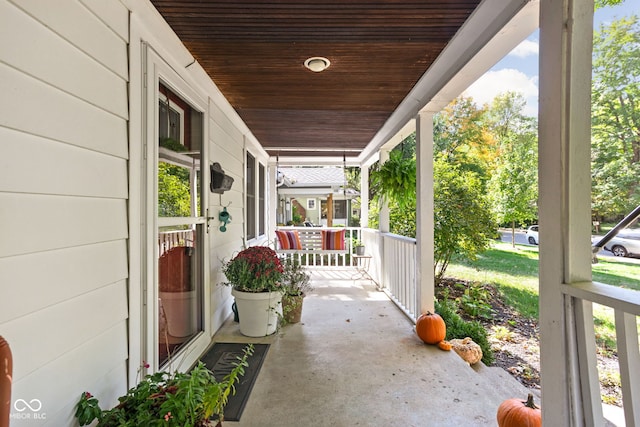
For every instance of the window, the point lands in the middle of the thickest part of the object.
(339, 208)
(311, 204)
(170, 121)
(174, 119)
(251, 197)
(261, 198)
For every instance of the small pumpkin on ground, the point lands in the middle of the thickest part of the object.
(516, 413)
(431, 328)
(467, 349)
(444, 345)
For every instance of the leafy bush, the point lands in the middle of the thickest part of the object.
(464, 225)
(457, 327)
(475, 301)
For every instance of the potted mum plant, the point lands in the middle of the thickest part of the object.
(296, 285)
(193, 399)
(254, 275)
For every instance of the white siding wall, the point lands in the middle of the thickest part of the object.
(226, 148)
(71, 251)
(63, 200)
(226, 145)
(227, 137)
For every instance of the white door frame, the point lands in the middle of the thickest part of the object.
(155, 69)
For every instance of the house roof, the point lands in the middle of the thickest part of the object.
(313, 177)
(389, 59)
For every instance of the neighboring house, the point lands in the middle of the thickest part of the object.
(314, 191)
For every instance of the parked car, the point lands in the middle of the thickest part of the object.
(625, 243)
(532, 235)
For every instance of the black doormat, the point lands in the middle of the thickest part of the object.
(221, 358)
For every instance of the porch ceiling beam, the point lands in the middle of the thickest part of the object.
(494, 29)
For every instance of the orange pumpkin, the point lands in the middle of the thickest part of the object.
(516, 413)
(444, 345)
(431, 328)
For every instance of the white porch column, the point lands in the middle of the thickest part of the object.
(383, 224)
(566, 30)
(272, 201)
(425, 280)
(364, 196)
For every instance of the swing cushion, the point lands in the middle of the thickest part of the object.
(289, 239)
(333, 240)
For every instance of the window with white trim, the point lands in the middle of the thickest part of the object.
(251, 196)
(261, 198)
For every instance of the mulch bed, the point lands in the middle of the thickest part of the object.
(518, 350)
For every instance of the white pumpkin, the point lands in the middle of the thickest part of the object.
(467, 349)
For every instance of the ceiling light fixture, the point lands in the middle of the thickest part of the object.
(317, 64)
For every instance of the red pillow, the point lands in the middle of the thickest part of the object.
(333, 240)
(288, 239)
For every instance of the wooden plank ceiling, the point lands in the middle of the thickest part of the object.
(255, 51)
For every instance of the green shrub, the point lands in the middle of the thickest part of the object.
(475, 300)
(457, 327)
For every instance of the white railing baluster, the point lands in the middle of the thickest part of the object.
(626, 305)
(398, 275)
(168, 240)
(629, 364)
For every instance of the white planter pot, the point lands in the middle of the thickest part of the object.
(258, 312)
(181, 311)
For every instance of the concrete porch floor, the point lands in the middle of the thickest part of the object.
(354, 360)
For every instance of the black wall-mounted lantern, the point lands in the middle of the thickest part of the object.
(219, 181)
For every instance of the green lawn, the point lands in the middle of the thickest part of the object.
(515, 273)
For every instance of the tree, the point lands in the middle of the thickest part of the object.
(463, 224)
(173, 191)
(513, 187)
(603, 3)
(461, 137)
(615, 155)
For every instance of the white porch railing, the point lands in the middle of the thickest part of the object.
(170, 239)
(626, 306)
(312, 258)
(393, 267)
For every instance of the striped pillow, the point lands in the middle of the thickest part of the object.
(288, 239)
(333, 240)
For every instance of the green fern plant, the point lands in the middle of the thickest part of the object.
(168, 399)
(396, 179)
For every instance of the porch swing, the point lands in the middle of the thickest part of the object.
(311, 245)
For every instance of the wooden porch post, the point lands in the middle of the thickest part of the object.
(425, 280)
(330, 210)
(566, 31)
